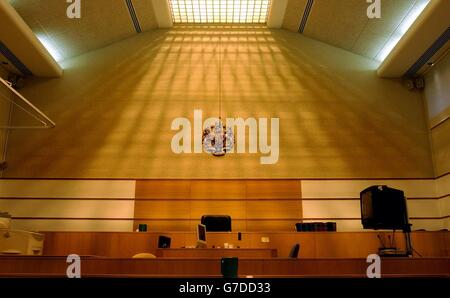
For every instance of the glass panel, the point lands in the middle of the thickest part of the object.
(220, 11)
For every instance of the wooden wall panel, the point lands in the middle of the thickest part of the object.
(248, 202)
(56, 266)
(67, 224)
(217, 189)
(313, 245)
(166, 224)
(176, 209)
(273, 189)
(276, 209)
(162, 189)
(235, 209)
(271, 225)
(441, 147)
(73, 208)
(183, 225)
(98, 189)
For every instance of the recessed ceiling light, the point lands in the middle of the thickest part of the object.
(220, 11)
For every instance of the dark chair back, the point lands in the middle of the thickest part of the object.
(229, 267)
(294, 251)
(164, 242)
(217, 223)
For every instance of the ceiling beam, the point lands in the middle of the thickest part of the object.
(276, 13)
(162, 13)
(22, 44)
(426, 30)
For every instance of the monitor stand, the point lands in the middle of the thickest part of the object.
(393, 252)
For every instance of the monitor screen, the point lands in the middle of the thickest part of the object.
(383, 207)
(201, 233)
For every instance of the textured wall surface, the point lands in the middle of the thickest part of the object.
(437, 96)
(4, 114)
(114, 108)
(177, 205)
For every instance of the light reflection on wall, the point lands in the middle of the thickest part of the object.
(403, 27)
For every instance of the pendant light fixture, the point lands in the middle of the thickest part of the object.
(218, 139)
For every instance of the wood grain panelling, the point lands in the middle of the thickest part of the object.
(178, 209)
(56, 266)
(68, 208)
(443, 185)
(84, 225)
(331, 209)
(217, 253)
(166, 224)
(217, 189)
(108, 189)
(271, 225)
(274, 209)
(273, 189)
(162, 189)
(441, 147)
(247, 202)
(413, 188)
(235, 209)
(330, 200)
(313, 245)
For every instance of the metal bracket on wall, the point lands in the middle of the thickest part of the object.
(30, 109)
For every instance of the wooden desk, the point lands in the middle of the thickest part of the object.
(313, 244)
(217, 253)
(45, 266)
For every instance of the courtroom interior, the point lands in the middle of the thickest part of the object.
(224, 138)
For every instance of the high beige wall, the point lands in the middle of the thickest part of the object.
(114, 107)
(177, 205)
(4, 116)
(437, 96)
(294, 14)
(68, 205)
(3, 72)
(443, 191)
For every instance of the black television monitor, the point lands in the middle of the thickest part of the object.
(383, 207)
(217, 223)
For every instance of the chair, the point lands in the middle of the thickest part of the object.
(229, 267)
(217, 223)
(144, 255)
(294, 251)
(164, 242)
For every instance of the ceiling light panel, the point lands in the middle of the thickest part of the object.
(220, 11)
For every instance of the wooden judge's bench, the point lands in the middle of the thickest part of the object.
(322, 254)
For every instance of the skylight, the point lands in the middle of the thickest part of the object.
(220, 11)
(403, 27)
